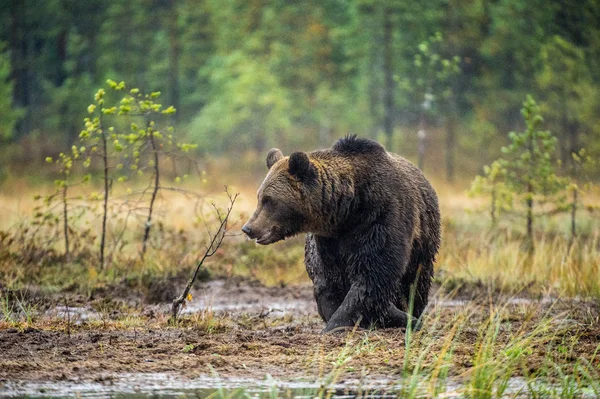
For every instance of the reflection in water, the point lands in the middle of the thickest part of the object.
(157, 385)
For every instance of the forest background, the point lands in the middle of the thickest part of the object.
(248, 75)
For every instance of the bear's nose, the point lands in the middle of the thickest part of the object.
(246, 229)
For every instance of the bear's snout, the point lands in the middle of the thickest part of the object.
(248, 231)
(261, 235)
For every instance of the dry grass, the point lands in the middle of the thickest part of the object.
(472, 251)
(501, 259)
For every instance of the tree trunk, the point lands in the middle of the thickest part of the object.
(573, 131)
(388, 95)
(422, 135)
(371, 20)
(155, 189)
(71, 127)
(450, 139)
(66, 219)
(174, 60)
(106, 188)
(574, 214)
(529, 203)
(529, 200)
(61, 43)
(18, 52)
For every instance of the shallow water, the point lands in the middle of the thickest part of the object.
(76, 314)
(159, 385)
(267, 306)
(218, 296)
(163, 385)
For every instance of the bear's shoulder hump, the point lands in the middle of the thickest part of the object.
(354, 145)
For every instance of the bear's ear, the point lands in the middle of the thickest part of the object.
(273, 156)
(299, 165)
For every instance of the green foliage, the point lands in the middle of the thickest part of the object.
(570, 97)
(492, 183)
(58, 206)
(529, 159)
(435, 72)
(277, 69)
(254, 74)
(564, 77)
(257, 105)
(127, 142)
(527, 171)
(122, 147)
(9, 115)
(122, 133)
(583, 165)
(580, 183)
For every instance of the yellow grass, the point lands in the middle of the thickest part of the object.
(472, 251)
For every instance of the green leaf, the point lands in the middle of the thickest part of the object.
(169, 111)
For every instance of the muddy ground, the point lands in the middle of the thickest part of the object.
(238, 329)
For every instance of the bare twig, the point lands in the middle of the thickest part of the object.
(67, 311)
(119, 237)
(148, 224)
(215, 243)
(66, 220)
(106, 189)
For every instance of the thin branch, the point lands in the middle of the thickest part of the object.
(155, 189)
(215, 243)
(66, 220)
(106, 192)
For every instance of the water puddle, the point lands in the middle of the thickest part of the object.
(158, 385)
(266, 306)
(76, 314)
(161, 385)
(453, 303)
(220, 297)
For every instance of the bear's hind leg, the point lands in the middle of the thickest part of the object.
(416, 283)
(396, 318)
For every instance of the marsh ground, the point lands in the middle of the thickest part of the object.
(241, 330)
(502, 321)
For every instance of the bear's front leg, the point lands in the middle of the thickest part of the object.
(350, 312)
(327, 279)
(358, 308)
(328, 300)
(375, 269)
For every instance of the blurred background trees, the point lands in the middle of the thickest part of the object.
(250, 74)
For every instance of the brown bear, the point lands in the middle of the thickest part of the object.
(373, 225)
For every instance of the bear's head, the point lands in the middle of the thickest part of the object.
(284, 198)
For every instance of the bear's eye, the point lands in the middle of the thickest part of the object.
(268, 202)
